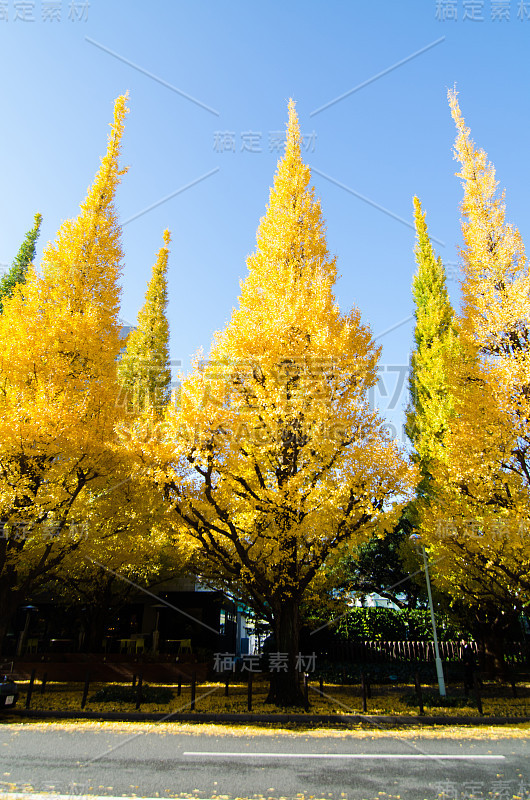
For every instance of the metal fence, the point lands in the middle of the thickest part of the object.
(379, 651)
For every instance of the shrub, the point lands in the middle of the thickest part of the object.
(389, 624)
(128, 694)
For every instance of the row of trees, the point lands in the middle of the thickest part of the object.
(67, 502)
(469, 414)
(267, 473)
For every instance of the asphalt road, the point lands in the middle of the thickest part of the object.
(202, 764)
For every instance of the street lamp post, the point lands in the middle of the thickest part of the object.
(415, 538)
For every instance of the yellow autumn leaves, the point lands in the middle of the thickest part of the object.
(477, 513)
(269, 458)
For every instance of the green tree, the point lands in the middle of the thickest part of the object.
(430, 404)
(430, 407)
(377, 566)
(144, 368)
(25, 257)
(477, 521)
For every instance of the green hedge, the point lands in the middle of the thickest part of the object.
(388, 624)
(338, 672)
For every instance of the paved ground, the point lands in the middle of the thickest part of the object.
(124, 762)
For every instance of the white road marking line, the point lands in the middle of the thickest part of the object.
(408, 756)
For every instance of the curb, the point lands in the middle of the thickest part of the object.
(307, 719)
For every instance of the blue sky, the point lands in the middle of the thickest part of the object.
(209, 84)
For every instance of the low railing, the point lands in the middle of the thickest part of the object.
(375, 650)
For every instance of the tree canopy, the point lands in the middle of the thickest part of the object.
(478, 514)
(281, 458)
(59, 342)
(19, 268)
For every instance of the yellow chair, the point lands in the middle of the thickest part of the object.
(185, 646)
(32, 646)
(140, 645)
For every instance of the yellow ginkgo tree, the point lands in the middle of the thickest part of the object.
(478, 515)
(59, 344)
(274, 457)
(128, 546)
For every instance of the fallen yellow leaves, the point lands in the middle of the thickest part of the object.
(337, 700)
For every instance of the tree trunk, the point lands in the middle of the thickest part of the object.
(493, 632)
(98, 620)
(4, 624)
(9, 602)
(284, 682)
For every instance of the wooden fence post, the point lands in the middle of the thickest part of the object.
(363, 687)
(30, 688)
(139, 692)
(193, 688)
(478, 698)
(249, 691)
(417, 685)
(85, 689)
